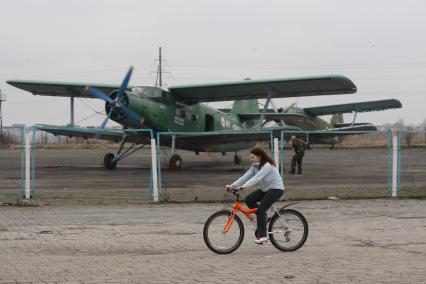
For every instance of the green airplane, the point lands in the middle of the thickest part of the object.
(309, 119)
(182, 110)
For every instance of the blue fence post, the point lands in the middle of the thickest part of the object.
(160, 186)
(32, 162)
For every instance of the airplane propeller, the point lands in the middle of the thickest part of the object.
(115, 104)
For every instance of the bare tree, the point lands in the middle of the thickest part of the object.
(409, 135)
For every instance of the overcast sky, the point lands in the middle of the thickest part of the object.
(379, 45)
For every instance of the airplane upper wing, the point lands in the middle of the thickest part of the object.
(258, 89)
(241, 90)
(60, 89)
(359, 107)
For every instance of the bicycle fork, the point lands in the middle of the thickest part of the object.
(229, 223)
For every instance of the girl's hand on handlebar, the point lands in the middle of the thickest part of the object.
(239, 188)
(228, 187)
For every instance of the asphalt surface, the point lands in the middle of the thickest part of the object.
(350, 241)
(78, 176)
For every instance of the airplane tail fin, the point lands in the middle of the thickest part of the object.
(336, 119)
(244, 107)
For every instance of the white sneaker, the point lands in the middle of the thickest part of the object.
(260, 241)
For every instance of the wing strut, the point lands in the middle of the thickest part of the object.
(276, 111)
(353, 121)
(72, 111)
(265, 107)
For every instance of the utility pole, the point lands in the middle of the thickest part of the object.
(2, 99)
(160, 75)
(160, 71)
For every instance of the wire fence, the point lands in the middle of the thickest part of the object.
(202, 174)
(336, 164)
(358, 165)
(80, 169)
(12, 162)
(412, 163)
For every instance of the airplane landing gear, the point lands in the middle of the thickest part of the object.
(175, 162)
(237, 159)
(109, 161)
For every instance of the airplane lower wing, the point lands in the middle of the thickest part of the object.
(331, 136)
(271, 116)
(346, 130)
(106, 134)
(199, 141)
(184, 140)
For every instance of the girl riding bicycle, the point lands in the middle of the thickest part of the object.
(264, 173)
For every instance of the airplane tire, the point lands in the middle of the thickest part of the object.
(237, 159)
(109, 162)
(175, 162)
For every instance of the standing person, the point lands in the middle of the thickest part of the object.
(264, 173)
(299, 152)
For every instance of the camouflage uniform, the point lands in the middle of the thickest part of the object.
(299, 149)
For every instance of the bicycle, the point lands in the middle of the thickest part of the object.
(287, 228)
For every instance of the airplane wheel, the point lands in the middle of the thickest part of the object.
(237, 159)
(332, 147)
(175, 162)
(109, 162)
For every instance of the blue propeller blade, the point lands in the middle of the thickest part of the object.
(125, 82)
(99, 132)
(131, 114)
(97, 94)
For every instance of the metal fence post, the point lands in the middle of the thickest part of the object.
(154, 170)
(395, 136)
(389, 160)
(282, 155)
(158, 169)
(27, 165)
(276, 153)
(398, 179)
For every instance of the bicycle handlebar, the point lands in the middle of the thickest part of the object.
(234, 192)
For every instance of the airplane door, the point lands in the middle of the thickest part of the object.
(209, 123)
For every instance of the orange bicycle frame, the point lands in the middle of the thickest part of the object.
(238, 207)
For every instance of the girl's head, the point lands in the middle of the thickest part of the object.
(259, 155)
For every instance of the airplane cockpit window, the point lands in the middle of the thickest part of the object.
(148, 92)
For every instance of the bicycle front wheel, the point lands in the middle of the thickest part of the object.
(288, 231)
(218, 239)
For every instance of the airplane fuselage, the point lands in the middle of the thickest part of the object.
(172, 116)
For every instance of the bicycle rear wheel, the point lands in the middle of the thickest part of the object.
(289, 231)
(219, 241)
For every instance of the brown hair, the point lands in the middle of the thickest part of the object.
(264, 157)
